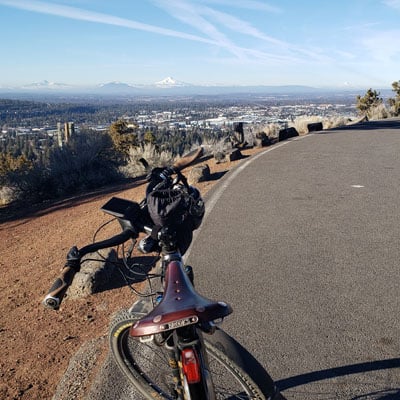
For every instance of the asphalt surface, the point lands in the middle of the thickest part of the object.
(303, 241)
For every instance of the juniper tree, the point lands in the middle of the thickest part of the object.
(368, 102)
(395, 103)
(123, 136)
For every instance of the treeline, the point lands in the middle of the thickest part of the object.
(36, 114)
(33, 147)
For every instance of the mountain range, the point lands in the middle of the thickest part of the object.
(165, 87)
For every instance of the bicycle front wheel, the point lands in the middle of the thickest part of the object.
(235, 373)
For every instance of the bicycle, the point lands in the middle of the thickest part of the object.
(168, 344)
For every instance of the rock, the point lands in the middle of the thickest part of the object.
(315, 127)
(235, 155)
(220, 157)
(287, 133)
(199, 173)
(95, 275)
(262, 140)
(76, 379)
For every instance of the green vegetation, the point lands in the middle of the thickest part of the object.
(372, 105)
(124, 136)
(33, 170)
(87, 161)
(395, 103)
(368, 102)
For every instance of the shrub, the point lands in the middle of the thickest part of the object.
(378, 111)
(33, 185)
(153, 156)
(272, 130)
(213, 146)
(301, 123)
(7, 195)
(335, 122)
(395, 103)
(87, 161)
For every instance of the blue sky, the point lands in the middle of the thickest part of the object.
(242, 42)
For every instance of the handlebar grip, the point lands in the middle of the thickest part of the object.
(57, 291)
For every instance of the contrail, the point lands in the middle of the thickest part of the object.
(85, 15)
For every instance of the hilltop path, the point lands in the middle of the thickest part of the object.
(308, 255)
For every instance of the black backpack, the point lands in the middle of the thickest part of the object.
(167, 206)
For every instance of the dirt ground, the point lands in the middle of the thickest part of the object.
(37, 343)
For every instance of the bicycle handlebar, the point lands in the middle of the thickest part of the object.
(60, 286)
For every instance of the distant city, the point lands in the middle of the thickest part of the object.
(43, 134)
(179, 113)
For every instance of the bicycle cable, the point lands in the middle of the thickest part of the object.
(133, 270)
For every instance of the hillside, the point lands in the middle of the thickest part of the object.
(36, 343)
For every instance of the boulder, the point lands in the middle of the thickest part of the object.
(287, 133)
(199, 173)
(262, 140)
(220, 157)
(315, 127)
(95, 275)
(234, 155)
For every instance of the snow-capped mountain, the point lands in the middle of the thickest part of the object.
(170, 82)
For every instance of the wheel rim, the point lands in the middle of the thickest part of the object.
(149, 362)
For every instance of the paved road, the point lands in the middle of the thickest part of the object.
(304, 242)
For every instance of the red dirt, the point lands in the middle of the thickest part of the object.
(36, 343)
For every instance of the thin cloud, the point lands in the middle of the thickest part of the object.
(247, 5)
(393, 4)
(238, 25)
(90, 16)
(383, 46)
(204, 19)
(190, 15)
(235, 24)
(207, 20)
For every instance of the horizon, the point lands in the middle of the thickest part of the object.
(169, 83)
(342, 45)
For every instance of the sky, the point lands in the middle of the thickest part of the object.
(319, 43)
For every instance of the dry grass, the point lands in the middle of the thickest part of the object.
(378, 112)
(301, 123)
(151, 154)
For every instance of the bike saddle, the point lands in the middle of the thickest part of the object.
(181, 305)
